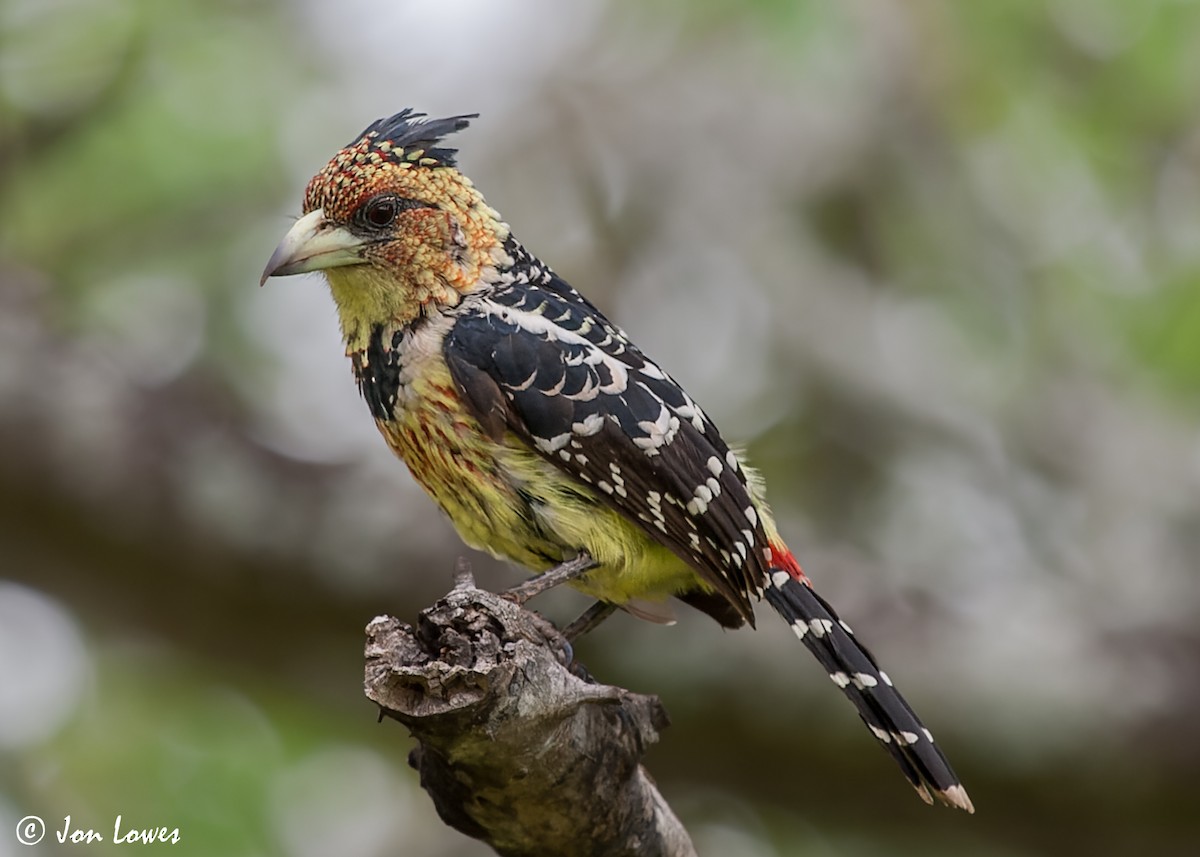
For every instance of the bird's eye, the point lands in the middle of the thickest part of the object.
(381, 213)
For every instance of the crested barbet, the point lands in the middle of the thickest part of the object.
(541, 430)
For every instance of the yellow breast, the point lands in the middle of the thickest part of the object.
(504, 498)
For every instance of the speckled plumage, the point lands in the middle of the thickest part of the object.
(539, 428)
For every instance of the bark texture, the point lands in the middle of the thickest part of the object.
(514, 748)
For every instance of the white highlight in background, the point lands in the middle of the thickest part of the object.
(44, 666)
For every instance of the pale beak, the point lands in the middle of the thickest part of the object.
(313, 244)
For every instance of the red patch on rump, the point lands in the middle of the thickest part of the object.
(784, 559)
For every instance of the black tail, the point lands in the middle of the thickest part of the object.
(879, 704)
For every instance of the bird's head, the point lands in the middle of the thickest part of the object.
(396, 229)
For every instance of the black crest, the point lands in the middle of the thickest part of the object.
(408, 131)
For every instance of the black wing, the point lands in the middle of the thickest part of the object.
(538, 359)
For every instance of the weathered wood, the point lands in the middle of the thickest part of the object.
(514, 748)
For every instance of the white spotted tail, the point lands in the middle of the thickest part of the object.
(853, 669)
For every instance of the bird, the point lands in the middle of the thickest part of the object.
(541, 430)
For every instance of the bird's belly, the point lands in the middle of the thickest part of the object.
(450, 458)
(507, 500)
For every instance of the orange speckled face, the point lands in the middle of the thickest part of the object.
(408, 203)
(397, 230)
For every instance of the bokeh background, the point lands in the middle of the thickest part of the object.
(936, 263)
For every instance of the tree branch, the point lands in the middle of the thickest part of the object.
(513, 747)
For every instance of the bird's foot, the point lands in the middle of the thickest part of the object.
(589, 620)
(567, 571)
